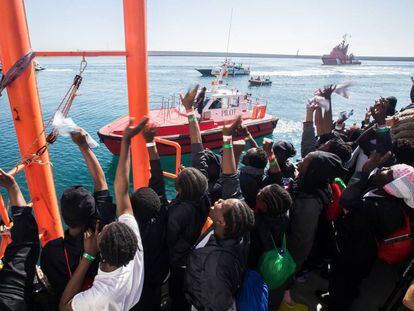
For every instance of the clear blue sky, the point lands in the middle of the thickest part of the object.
(378, 27)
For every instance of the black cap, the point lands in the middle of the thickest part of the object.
(284, 150)
(78, 206)
(392, 100)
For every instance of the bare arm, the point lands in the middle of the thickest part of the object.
(273, 164)
(121, 184)
(8, 182)
(408, 300)
(188, 103)
(238, 147)
(229, 162)
(95, 169)
(74, 286)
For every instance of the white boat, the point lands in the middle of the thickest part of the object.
(232, 69)
(37, 66)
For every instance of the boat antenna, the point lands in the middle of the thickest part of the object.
(228, 37)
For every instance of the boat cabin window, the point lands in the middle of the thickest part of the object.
(217, 103)
(234, 102)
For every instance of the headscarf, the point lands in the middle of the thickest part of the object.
(402, 186)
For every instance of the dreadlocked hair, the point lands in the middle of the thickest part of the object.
(191, 184)
(276, 199)
(255, 157)
(118, 244)
(341, 149)
(239, 219)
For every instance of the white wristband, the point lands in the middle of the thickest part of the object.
(152, 144)
(227, 137)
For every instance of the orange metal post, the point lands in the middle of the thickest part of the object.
(137, 79)
(28, 121)
(79, 53)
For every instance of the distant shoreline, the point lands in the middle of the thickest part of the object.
(260, 55)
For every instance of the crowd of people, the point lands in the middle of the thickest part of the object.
(352, 189)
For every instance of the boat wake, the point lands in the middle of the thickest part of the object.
(325, 71)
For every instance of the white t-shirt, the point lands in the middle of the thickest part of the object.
(117, 290)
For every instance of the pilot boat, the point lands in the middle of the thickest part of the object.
(220, 105)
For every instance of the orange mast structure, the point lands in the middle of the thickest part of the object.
(26, 109)
(137, 80)
(28, 121)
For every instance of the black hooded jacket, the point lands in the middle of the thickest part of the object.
(185, 221)
(311, 195)
(215, 272)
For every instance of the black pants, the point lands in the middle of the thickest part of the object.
(176, 289)
(357, 253)
(150, 298)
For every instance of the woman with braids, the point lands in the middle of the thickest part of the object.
(120, 278)
(187, 214)
(214, 272)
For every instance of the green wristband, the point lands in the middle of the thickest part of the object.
(273, 163)
(228, 146)
(88, 257)
(383, 129)
(192, 119)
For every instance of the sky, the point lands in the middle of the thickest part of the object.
(377, 27)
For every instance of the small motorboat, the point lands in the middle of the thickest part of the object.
(220, 105)
(37, 66)
(232, 69)
(259, 81)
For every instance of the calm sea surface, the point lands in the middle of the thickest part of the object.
(103, 97)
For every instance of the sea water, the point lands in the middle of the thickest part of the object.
(103, 98)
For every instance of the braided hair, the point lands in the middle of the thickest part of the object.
(191, 184)
(118, 244)
(276, 199)
(239, 218)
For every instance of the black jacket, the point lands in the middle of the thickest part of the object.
(154, 233)
(60, 257)
(252, 180)
(199, 160)
(215, 272)
(264, 228)
(20, 257)
(185, 221)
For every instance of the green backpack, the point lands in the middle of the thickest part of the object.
(276, 268)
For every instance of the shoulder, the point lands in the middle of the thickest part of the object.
(130, 221)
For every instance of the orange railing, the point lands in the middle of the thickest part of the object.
(5, 240)
(177, 155)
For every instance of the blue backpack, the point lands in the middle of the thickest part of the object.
(253, 294)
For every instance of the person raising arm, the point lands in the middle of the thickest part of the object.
(119, 282)
(20, 256)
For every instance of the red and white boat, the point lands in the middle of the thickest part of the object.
(339, 55)
(220, 105)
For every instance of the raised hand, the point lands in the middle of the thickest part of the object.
(378, 113)
(326, 92)
(376, 160)
(268, 146)
(79, 137)
(230, 129)
(188, 99)
(6, 180)
(130, 131)
(149, 133)
(90, 240)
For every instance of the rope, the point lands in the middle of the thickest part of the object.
(64, 105)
